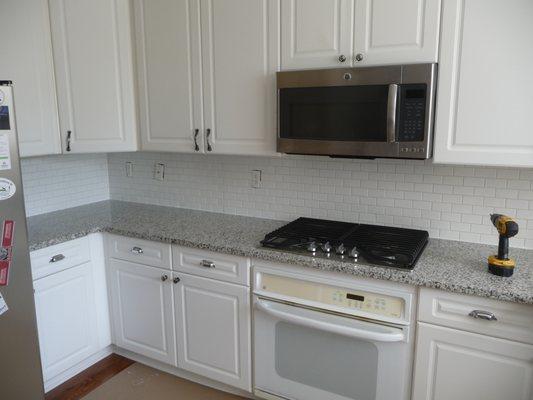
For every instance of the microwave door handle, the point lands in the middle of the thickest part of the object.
(392, 102)
(327, 324)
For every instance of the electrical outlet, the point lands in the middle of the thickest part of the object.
(129, 169)
(256, 178)
(159, 172)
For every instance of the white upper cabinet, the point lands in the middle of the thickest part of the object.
(92, 48)
(337, 33)
(396, 32)
(169, 72)
(207, 72)
(240, 43)
(26, 59)
(316, 33)
(484, 99)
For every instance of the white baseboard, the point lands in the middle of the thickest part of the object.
(183, 374)
(81, 366)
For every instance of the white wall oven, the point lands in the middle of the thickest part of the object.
(323, 338)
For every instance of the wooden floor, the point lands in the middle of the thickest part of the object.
(88, 380)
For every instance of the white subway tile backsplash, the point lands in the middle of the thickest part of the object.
(451, 202)
(58, 182)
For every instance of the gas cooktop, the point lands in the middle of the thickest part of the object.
(381, 245)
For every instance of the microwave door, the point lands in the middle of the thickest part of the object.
(349, 121)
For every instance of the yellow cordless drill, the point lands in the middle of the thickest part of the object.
(501, 264)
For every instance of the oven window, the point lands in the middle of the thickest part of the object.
(346, 113)
(327, 361)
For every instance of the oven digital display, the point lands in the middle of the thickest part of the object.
(355, 297)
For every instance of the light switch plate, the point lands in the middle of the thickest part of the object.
(129, 169)
(256, 178)
(159, 172)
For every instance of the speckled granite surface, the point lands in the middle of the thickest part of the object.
(453, 266)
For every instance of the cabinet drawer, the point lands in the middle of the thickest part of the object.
(154, 254)
(213, 265)
(59, 257)
(513, 320)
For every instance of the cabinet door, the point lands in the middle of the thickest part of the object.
(484, 99)
(396, 32)
(141, 309)
(452, 364)
(316, 33)
(27, 61)
(240, 43)
(66, 318)
(169, 70)
(213, 321)
(94, 71)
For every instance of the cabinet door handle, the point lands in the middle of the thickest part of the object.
(69, 134)
(359, 57)
(164, 277)
(57, 258)
(176, 280)
(207, 264)
(208, 133)
(480, 314)
(196, 147)
(342, 58)
(137, 250)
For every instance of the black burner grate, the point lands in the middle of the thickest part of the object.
(396, 247)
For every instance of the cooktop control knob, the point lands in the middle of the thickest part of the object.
(354, 253)
(326, 248)
(340, 250)
(312, 247)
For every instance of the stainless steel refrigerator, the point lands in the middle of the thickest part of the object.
(20, 363)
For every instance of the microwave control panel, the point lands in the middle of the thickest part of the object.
(412, 113)
(322, 295)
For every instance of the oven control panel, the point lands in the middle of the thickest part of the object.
(348, 299)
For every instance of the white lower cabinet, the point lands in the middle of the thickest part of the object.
(213, 326)
(198, 321)
(452, 364)
(71, 307)
(66, 318)
(142, 314)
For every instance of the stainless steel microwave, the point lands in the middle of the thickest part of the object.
(370, 112)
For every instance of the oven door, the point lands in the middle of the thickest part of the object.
(339, 120)
(303, 354)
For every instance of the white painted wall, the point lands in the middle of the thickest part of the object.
(58, 182)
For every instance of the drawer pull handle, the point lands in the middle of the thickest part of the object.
(164, 277)
(57, 258)
(486, 315)
(207, 264)
(137, 250)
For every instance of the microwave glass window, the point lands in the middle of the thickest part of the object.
(345, 113)
(4, 118)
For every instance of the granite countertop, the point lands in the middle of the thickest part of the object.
(449, 265)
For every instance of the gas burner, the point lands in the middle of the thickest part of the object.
(381, 245)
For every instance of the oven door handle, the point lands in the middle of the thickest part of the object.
(330, 323)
